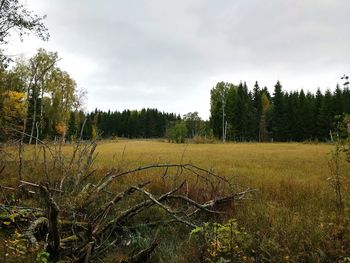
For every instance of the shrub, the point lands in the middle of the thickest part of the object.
(177, 133)
(224, 242)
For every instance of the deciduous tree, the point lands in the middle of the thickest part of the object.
(16, 18)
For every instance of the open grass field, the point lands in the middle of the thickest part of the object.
(264, 166)
(259, 162)
(255, 163)
(290, 218)
(293, 217)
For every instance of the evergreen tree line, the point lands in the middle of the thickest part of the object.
(41, 100)
(146, 123)
(256, 115)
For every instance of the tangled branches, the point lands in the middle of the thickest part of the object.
(79, 215)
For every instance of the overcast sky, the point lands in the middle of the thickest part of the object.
(169, 54)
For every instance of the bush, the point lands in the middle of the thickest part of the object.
(223, 242)
(177, 133)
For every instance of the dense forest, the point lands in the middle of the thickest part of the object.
(283, 116)
(43, 101)
(146, 123)
(40, 99)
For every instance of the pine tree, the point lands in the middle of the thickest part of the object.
(72, 126)
(257, 108)
(326, 116)
(279, 120)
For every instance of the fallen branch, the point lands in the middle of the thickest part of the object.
(53, 243)
(144, 255)
(35, 227)
(25, 183)
(131, 212)
(108, 206)
(188, 167)
(194, 203)
(167, 209)
(90, 219)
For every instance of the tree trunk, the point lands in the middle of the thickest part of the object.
(33, 121)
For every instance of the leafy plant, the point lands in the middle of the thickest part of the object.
(177, 133)
(42, 257)
(224, 242)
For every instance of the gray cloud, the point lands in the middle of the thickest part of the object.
(168, 54)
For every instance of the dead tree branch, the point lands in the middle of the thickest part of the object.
(144, 255)
(53, 243)
(85, 216)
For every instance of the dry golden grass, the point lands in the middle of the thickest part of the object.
(258, 162)
(293, 213)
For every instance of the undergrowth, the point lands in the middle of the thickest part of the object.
(291, 218)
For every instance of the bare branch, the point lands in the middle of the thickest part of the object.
(188, 167)
(131, 212)
(54, 237)
(167, 209)
(143, 255)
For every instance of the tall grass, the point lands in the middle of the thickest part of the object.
(292, 216)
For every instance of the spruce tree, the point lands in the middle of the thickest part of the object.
(278, 120)
(326, 116)
(257, 108)
(72, 126)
